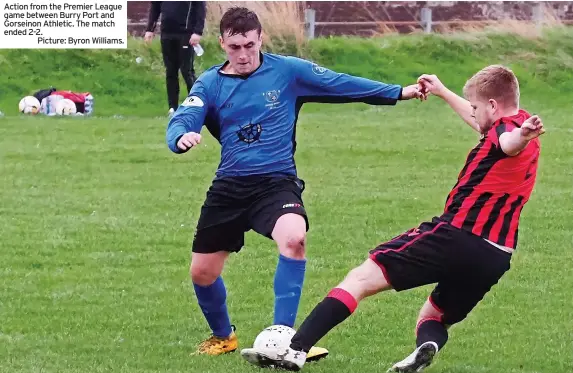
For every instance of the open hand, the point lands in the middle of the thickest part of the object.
(532, 128)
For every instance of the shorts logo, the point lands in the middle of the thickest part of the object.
(415, 232)
(193, 101)
(318, 70)
(292, 205)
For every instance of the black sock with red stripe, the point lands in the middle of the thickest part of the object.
(431, 330)
(333, 310)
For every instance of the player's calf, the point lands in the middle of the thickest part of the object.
(339, 304)
(430, 326)
(336, 307)
(290, 234)
(431, 336)
(211, 295)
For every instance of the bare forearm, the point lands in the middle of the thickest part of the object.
(512, 143)
(461, 106)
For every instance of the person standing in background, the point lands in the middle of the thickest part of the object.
(182, 24)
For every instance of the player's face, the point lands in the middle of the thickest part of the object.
(242, 51)
(483, 112)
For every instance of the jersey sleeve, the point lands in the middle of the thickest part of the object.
(318, 84)
(189, 116)
(496, 131)
(154, 12)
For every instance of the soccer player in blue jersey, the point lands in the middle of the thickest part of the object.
(250, 104)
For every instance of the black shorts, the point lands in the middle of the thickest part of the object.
(235, 205)
(464, 266)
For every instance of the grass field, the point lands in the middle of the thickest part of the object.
(97, 217)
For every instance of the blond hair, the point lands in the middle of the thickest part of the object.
(494, 82)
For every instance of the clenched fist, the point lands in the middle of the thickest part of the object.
(414, 91)
(189, 140)
(148, 37)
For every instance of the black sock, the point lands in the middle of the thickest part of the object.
(333, 310)
(431, 330)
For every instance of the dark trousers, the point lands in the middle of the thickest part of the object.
(177, 55)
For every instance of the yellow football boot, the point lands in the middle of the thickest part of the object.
(217, 346)
(316, 353)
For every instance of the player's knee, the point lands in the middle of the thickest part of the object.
(294, 246)
(366, 280)
(359, 275)
(448, 317)
(203, 275)
(429, 312)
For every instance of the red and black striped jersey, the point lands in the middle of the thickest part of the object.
(493, 187)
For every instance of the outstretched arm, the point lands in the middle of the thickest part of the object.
(513, 142)
(319, 84)
(460, 105)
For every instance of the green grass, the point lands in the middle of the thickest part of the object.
(97, 217)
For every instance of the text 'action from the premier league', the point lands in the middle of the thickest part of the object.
(63, 24)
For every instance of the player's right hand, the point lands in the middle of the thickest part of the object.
(432, 84)
(189, 140)
(148, 37)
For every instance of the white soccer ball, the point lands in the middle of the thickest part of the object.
(66, 107)
(29, 105)
(274, 337)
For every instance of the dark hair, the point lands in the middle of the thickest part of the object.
(239, 20)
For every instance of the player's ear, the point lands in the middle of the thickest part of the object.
(221, 42)
(493, 105)
(260, 41)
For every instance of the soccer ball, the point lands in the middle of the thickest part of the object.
(274, 337)
(29, 105)
(66, 107)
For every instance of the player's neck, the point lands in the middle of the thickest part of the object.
(230, 70)
(509, 112)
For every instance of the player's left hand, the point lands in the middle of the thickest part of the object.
(414, 91)
(195, 39)
(532, 128)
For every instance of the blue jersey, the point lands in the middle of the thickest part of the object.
(254, 117)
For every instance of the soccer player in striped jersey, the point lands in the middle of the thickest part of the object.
(465, 250)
